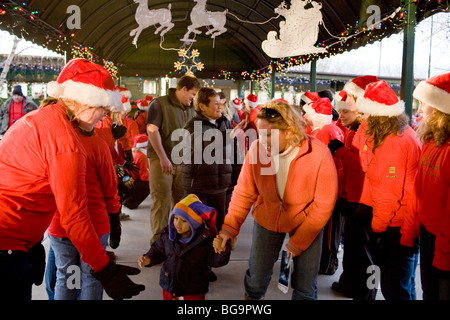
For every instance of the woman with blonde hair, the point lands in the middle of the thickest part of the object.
(290, 180)
(428, 217)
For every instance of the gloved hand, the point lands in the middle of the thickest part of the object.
(36, 257)
(118, 131)
(334, 145)
(131, 167)
(129, 155)
(114, 279)
(116, 229)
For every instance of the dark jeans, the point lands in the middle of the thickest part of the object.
(397, 268)
(435, 283)
(16, 278)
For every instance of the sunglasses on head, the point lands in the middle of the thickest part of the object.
(271, 113)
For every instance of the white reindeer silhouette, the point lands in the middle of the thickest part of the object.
(146, 18)
(202, 18)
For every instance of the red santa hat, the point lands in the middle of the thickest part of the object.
(435, 92)
(87, 83)
(340, 101)
(380, 100)
(236, 103)
(309, 97)
(140, 141)
(357, 86)
(252, 100)
(320, 110)
(126, 96)
(143, 104)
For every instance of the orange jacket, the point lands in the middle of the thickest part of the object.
(43, 167)
(391, 172)
(308, 200)
(430, 204)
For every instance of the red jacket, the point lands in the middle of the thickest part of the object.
(307, 203)
(430, 204)
(101, 186)
(43, 166)
(103, 129)
(326, 134)
(141, 160)
(356, 182)
(391, 173)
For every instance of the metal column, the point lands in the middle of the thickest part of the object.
(313, 76)
(407, 83)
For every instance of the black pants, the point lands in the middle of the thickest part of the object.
(359, 250)
(332, 235)
(16, 276)
(136, 195)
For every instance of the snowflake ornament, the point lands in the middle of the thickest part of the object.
(189, 62)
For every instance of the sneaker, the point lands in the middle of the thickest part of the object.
(124, 216)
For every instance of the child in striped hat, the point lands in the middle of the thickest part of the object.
(186, 248)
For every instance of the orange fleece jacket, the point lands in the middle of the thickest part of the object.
(308, 200)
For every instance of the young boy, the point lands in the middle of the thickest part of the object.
(186, 248)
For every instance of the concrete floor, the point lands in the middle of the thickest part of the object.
(229, 285)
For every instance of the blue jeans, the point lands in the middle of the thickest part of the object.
(67, 285)
(264, 253)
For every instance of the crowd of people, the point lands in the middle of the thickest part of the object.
(344, 168)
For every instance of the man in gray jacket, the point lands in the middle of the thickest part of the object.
(14, 108)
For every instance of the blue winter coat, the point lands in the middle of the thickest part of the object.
(185, 269)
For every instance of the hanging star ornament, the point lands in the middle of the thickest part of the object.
(189, 62)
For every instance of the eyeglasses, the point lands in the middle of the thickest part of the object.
(271, 113)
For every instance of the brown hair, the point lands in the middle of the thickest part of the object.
(436, 126)
(289, 119)
(188, 82)
(203, 96)
(380, 127)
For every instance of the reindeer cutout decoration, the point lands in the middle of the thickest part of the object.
(202, 18)
(146, 18)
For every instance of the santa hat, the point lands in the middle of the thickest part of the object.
(252, 100)
(380, 100)
(140, 141)
(435, 92)
(357, 86)
(309, 97)
(320, 110)
(194, 212)
(236, 103)
(87, 83)
(340, 101)
(143, 104)
(126, 96)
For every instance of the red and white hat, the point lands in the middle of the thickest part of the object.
(87, 83)
(126, 96)
(309, 97)
(340, 101)
(143, 104)
(320, 110)
(236, 103)
(252, 100)
(357, 86)
(435, 92)
(380, 100)
(140, 141)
